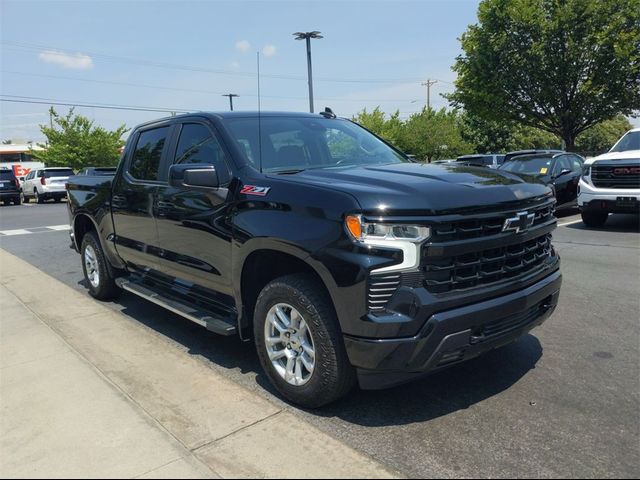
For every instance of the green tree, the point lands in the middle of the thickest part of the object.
(74, 141)
(601, 137)
(7, 142)
(376, 121)
(561, 66)
(432, 135)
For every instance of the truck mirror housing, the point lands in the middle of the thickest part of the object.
(193, 175)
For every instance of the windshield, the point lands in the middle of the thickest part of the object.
(299, 143)
(631, 141)
(528, 165)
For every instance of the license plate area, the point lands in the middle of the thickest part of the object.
(626, 202)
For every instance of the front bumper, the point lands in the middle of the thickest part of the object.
(453, 336)
(609, 200)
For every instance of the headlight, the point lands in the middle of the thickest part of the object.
(389, 235)
(363, 231)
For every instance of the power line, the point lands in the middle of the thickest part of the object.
(152, 63)
(70, 103)
(162, 87)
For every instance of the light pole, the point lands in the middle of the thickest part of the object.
(230, 95)
(308, 36)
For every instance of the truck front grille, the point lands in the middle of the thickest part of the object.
(484, 267)
(473, 252)
(484, 226)
(616, 176)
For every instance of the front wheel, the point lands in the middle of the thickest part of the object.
(97, 274)
(594, 219)
(299, 342)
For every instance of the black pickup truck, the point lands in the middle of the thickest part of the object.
(345, 261)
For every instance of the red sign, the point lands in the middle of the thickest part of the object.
(20, 171)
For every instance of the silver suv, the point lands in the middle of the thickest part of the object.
(46, 183)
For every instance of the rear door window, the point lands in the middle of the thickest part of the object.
(6, 175)
(145, 162)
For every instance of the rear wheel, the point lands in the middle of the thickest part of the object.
(37, 197)
(594, 219)
(99, 277)
(18, 200)
(299, 342)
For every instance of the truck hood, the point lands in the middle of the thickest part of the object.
(426, 189)
(628, 155)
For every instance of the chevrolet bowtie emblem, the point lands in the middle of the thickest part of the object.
(520, 223)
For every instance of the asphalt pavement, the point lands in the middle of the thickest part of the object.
(562, 402)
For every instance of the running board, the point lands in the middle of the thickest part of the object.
(190, 312)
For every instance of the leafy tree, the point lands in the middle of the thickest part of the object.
(376, 121)
(7, 142)
(561, 66)
(74, 141)
(601, 137)
(432, 135)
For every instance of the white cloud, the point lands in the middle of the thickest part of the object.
(235, 65)
(243, 45)
(76, 61)
(269, 50)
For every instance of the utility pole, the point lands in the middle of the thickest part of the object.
(429, 83)
(308, 36)
(230, 95)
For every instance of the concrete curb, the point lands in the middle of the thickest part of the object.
(213, 421)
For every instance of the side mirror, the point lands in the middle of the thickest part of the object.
(193, 175)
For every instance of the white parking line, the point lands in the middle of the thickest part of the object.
(27, 231)
(569, 223)
(14, 232)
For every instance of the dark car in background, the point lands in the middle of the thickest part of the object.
(491, 160)
(98, 171)
(9, 187)
(559, 169)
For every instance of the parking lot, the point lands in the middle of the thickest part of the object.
(563, 401)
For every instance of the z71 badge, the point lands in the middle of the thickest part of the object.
(253, 190)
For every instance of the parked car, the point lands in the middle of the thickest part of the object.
(491, 160)
(344, 261)
(9, 187)
(611, 182)
(98, 171)
(561, 170)
(46, 183)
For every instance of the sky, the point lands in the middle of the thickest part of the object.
(183, 55)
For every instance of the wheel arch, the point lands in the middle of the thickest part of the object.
(265, 262)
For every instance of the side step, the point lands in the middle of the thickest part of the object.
(220, 326)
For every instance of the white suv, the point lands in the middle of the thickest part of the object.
(610, 183)
(45, 183)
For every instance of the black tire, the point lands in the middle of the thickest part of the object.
(18, 200)
(594, 219)
(106, 288)
(38, 198)
(57, 199)
(333, 375)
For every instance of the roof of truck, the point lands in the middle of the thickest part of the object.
(236, 114)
